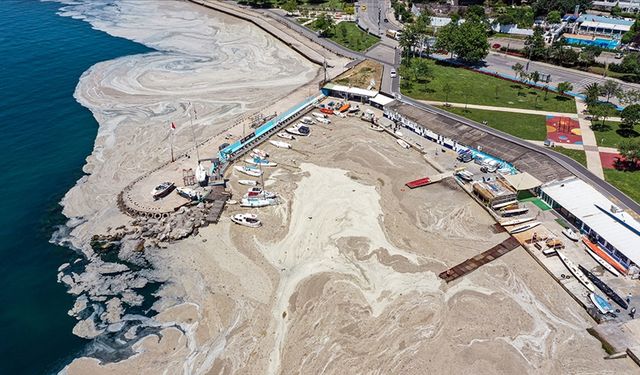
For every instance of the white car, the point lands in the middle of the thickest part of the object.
(393, 73)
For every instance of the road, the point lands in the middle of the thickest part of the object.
(373, 16)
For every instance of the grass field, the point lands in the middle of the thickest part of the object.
(348, 34)
(524, 126)
(627, 182)
(471, 87)
(609, 135)
(577, 155)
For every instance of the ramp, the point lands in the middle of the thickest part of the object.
(474, 263)
(428, 180)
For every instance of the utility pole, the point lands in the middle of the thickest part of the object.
(193, 132)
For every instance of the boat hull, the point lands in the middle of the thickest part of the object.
(604, 288)
(575, 271)
(250, 172)
(604, 256)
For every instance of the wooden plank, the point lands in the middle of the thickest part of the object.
(479, 260)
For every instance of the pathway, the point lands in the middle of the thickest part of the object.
(594, 164)
(501, 109)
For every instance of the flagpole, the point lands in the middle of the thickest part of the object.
(172, 130)
(193, 132)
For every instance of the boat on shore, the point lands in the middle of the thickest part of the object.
(595, 249)
(318, 115)
(524, 227)
(248, 182)
(307, 120)
(604, 287)
(602, 262)
(257, 202)
(503, 205)
(516, 221)
(376, 127)
(345, 107)
(465, 175)
(201, 175)
(286, 136)
(259, 153)
(570, 234)
(575, 271)
(325, 121)
(251, 171)
(280, 144)
(248, 220)
(600, 303)
(403, 143)
(162, 190)
(299, 130)
(261, 162)
(188, 193)
(514, 211)
(256, 192)
(326, 110)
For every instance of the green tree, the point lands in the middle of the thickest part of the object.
(324, 24)
(588, 55)
(616, 11)
(630, 149)
(599, 111)
(554, 17)
(630, 118)
(408, 40)
(610, 89)
(290, 6)
(563, 87)
(629, 97)
(534, 46)
(471, 42)
(592, 93)
(535, 77)
(446, 88)
(518, 69)
(447, 37)
(542, 7)
(422, 71)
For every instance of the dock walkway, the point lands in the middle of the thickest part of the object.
(474, 263)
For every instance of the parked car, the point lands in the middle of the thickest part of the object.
(393, 73)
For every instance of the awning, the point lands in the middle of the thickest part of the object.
(381, 99)
(522, 181)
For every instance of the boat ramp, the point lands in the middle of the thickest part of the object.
(474, 263)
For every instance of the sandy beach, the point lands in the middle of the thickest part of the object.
(341, 277)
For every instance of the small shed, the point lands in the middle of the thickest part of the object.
(525, 184)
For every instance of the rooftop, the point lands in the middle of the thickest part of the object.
(604, 20)
(599, 213)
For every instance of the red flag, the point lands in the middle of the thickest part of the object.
(173, 126)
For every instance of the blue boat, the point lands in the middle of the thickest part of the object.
(601, 304)
(604, 287)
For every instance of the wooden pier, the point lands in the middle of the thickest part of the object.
(217, 197)
(474, 263)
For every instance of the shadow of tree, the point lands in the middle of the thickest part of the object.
(628, 133)
(600, 127)
(562, 98)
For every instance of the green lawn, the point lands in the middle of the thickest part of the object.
(471, 87)
(627, 182)
(577, 155)
(521, 125)
(350, 35)
(609, 134)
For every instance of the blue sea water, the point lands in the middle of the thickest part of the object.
(45, 137)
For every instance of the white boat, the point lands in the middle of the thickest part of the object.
(515, 211)
(524, 227)
(259, 153)
(298, 130)
(307, 120)
(188, 193)
(319, 115)
(377, 128)
(248, 220)
(261, 162)
(256, 192)
(280, 144)
(248, 182)
(504, 204)
(603, 262)
(575, 271)
(465, 175)
(516, 221)
(286, 136)
(251, 171)
(600, 303)
(325, 121)
(257, 202)
(403, 143)
(201, 175)
(162, 190)
(570, 234)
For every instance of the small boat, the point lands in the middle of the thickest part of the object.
(256, 192)
(232, 201)
(319, 115)
(248, 182)
(201, 175)
(298, 130)
(604, 287)
(257, 202)
(418, 183)
(602, 262)
(162, 190)
(575, 271)
(261, 162)
(516, 221)
(280, 144)
(286, 136)
(188, 193)
(325, 121)
(604, 256)
(514, 211)
(328, 111)
(549, 252)
(261, 154)
(570, 234)
(248, 220)
(307, 120)
(344, 107)
(377, 128)
(465, 175)
(353, 109)
(504, 204)
(601, 304)
(403, 143)
(524, 227)
(251, 171)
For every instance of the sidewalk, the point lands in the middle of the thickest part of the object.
(594, 163)
(502, 109)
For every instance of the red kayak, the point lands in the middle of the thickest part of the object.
(326, 110)
(418, 183)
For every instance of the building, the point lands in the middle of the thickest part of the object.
(348, 93)
(495, 193)
(615, 231)
(601, 25)
(626, 6)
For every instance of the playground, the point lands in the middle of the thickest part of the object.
(563, 130)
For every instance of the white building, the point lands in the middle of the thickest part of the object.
(614, 230)
(627, 6)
